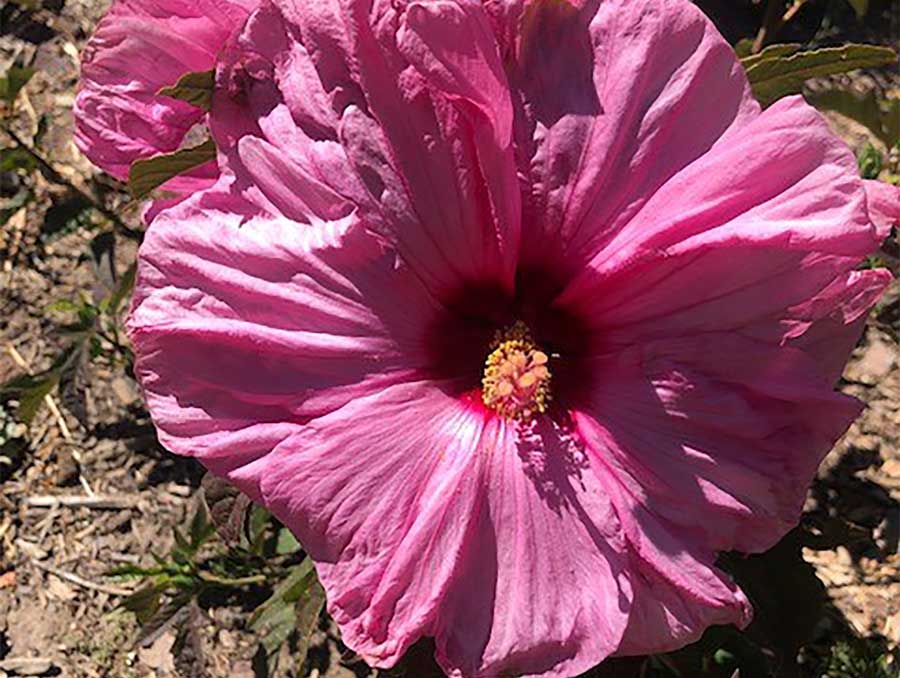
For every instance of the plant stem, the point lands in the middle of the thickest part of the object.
(240, 581)
(775, 19)
(56, 177)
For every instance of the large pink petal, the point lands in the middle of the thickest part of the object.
(382, 493)
(543, 590)
(427, 518)
(716, 434)
(140, 47)
(615, 100)
(245, 327)
(740, 240)
(678, 592)
(378, 103)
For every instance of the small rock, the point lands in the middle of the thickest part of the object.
(158, 657)
(25, 666)
(59, 590)
(7, 580)
(33, 551)
(875, 363)
(843, 556)
(891, 467)
(892, 629)
(126, 390)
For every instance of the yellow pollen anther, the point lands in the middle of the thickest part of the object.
(516, 382)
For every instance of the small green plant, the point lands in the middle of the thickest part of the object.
(862, 658)
(201, 569)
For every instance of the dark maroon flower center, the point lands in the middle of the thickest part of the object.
(478, 318)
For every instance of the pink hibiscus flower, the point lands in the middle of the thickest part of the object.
(140, 47)
(516, 313)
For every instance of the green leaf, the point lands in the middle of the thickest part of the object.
(771, 52)
(201, 528)
(294, 606)
(144, 603)
(134, 572)
(287, 543)
(870, 161)
(149, 174)
(167, 615)
(31, 399)
(13, 81)
(183, 553)
(780, 76)
(309, 606)
(743, 48)
(17, 158)
(195, 88)
(123, 290)
(258, 529)
(74, 378)
(30, 390)
(228, 509)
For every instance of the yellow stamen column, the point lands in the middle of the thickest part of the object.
(516, 382)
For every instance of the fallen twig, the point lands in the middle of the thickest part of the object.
(81, 581)
(97, 501)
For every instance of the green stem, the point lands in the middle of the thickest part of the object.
(226, 581)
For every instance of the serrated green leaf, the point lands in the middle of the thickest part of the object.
(195, 88)
(147, 175)
(770, 52)
(15, 78)
(776, 77)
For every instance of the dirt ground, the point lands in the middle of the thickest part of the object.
(58, 607)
